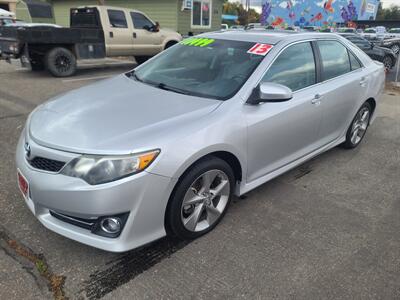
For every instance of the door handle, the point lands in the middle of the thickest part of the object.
(111, 34)
(317, 99)
(134, 35)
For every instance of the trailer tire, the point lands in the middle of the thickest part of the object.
(61, 62)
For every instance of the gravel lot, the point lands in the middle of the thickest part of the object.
(327, 229)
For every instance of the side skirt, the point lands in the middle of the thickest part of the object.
(247, 187)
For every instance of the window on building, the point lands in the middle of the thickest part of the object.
(294, 67)
(117, 18)
(140, 21)
(38, 9)
(201, 13)
(335, 59)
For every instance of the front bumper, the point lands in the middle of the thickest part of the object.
(144, 196)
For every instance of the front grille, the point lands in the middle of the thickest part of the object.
(46, 164)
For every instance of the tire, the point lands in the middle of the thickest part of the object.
(395, 48)
(170, 44)
(61, 62)
(387, 62)
(141, 59)
(207, 204)
(358, 127)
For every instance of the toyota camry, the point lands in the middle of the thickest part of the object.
(163, 148)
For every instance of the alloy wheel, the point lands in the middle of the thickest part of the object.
(360, 125)
(205, 200)
(387, 62)
(62, 63)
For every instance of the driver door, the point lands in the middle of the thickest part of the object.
(146, 41)
(282, 132)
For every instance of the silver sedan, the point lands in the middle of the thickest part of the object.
(162, 149)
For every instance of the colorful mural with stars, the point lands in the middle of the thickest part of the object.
(316, 13)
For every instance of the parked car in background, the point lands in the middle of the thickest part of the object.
(346, 30)
(163, 148)
(95, 32)
(310, 28)
(237, 27)
(376, 33)
(391, 43)
(384, 55)
(369, 33)
(394, 33)
(224, 26)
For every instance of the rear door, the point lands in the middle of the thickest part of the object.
(118, 33)
(343, 86)
(147, 39)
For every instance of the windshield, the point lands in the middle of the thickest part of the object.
(203, 67)
(394, 30)
(369, 31)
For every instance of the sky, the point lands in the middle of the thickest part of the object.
(257, 3)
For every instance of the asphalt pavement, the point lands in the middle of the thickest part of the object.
(329, 229)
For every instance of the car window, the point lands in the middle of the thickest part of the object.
(117, 18)
(335, 59)
(394, 30)
(294, 67)
(354, 62)
(140, 21)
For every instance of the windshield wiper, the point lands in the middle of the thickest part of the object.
(163, 86)
(133, 74)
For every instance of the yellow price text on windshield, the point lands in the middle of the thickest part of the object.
(197, 42)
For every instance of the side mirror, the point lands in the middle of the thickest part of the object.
(270, 92)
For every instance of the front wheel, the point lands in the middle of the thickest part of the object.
(358, 127)
(201, 199)
(61, 62)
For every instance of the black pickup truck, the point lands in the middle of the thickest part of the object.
(55, 48)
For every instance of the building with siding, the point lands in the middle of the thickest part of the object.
(194, 16)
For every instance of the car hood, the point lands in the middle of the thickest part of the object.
(115, 116)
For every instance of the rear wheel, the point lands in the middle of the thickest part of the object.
(358, 127)
(201, 199)
(387, 62)
(61, 62)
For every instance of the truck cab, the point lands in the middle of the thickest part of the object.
(127, 31)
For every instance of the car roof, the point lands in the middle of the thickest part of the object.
(271, 37)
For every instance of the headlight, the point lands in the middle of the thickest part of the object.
(101, 169)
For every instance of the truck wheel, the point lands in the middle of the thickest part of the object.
(141, 59)
(61, 62)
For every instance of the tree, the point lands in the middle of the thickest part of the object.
(391, 13)
(237, 9)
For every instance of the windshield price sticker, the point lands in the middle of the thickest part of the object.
(260, 49)
(197, 42)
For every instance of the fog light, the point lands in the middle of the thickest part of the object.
(111, 225)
